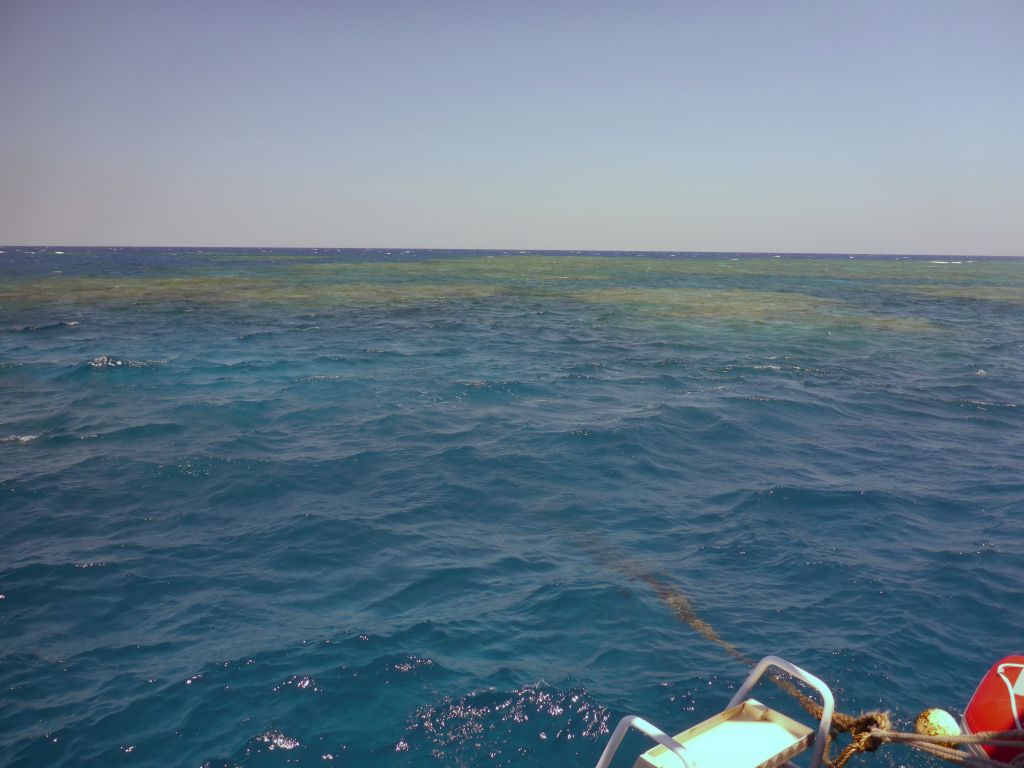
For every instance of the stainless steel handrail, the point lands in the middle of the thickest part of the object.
(827, 701)
(632, 721)
(680, 751)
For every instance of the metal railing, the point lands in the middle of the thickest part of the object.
(680, 751)
(632, 721)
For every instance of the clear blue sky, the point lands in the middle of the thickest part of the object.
(860, 126)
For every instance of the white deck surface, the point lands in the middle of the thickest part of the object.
(744, 741)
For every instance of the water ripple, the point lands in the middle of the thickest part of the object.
(354, 508)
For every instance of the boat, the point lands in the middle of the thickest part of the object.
(746, 734)
(749, 734)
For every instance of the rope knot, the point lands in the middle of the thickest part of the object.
(863, 727)
(862, 736)
(866, 742)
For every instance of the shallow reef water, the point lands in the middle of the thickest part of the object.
(423, 508)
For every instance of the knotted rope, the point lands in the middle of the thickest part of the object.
(863, 737)
(682, 608)
(868, 730)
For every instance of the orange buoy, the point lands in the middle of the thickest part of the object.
(998, 705)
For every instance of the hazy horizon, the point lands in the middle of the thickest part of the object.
(794, 127)
(506, 251)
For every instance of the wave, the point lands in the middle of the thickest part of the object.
(19, 438)
(43, 326)
(105, 361)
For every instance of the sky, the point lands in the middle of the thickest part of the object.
(892, 126)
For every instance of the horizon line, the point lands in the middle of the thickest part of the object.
(638, 251)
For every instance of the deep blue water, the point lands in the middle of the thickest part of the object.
(396, 508)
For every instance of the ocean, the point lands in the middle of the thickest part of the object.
(268, 507)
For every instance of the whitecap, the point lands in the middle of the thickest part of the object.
(105, 361)
(43, 326)
(19, 439)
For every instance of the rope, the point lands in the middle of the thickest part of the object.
(992, 738)
(944, 747)
(682, 607)
(868, 730)
(861, 741)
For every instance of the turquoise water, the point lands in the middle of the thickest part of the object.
(356, 508)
